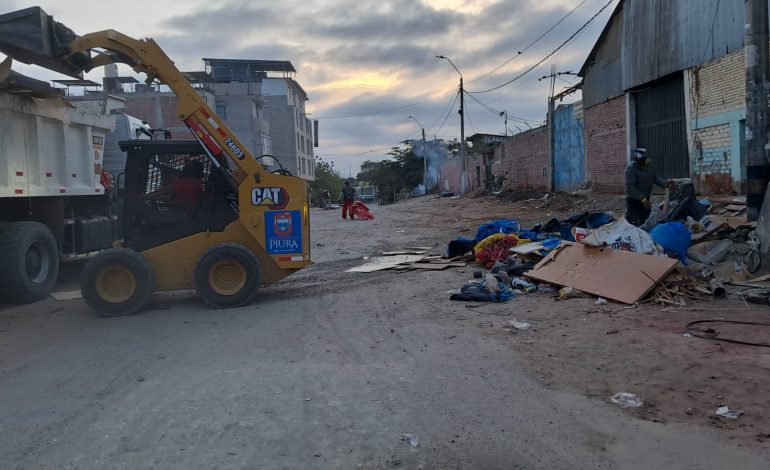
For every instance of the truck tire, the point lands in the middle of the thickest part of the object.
(117, 282)
(227, 275)
(30, 261)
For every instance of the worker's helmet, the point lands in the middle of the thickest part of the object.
(640, 154)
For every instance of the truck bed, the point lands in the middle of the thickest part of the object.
(48, 148)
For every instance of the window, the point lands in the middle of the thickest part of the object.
(222, 109)
(302, 144)
(298, 141)
(267, 143)
(309, 147)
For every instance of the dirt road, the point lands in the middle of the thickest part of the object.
(329, 369)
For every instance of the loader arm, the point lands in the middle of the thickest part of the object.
(273, 219)
(145, 56)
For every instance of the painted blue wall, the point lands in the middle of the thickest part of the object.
(568, 147)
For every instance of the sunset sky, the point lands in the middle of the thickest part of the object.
(368, 65)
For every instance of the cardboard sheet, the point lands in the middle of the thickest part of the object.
(623, 276)
(385, 262)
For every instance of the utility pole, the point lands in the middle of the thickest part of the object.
(551, 105)
(757, 169)
(463, 186)
(462, 135)
(424, 156)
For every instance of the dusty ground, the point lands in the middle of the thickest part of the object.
(327, 369)
(600, 350)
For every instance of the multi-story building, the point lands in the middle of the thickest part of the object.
(260, 98)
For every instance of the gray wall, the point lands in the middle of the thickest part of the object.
(655, 38)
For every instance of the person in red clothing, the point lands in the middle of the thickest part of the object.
(347, 197)
(189, 187)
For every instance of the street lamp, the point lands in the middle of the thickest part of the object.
(462, 122)
(424, 156)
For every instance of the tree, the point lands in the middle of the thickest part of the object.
(399, 174)
(326, 178)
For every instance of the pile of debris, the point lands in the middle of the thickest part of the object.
(689, 250)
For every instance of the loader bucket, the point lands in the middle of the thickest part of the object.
(33, 37)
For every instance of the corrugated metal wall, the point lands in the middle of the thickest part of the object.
(568, 147)
(661, 37)
(657, 38)
(605, 76)
(661, 127)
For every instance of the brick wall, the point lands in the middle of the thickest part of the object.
(717, 100)
(718, 86)
(524, 162)
(477, 171)
(605, 128)
(449, 175)
(712, 159)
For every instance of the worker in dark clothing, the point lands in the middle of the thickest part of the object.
(347, 197)
(640, 178)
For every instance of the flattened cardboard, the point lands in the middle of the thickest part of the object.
(623, 276)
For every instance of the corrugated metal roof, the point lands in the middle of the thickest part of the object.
(258, 65)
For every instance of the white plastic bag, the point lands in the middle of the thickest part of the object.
(619, 235)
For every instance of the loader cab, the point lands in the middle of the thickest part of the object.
(172, 190)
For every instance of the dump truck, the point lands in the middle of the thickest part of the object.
(202, 214)
(53, 202)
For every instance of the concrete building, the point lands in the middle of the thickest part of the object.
(260, 99)
(154, 103)
(668, 75)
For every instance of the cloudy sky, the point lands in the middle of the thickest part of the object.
(368, 65)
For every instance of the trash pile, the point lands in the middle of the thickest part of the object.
(688, 250)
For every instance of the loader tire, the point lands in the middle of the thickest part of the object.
(227, 275)
(117, 282)
(29, 262)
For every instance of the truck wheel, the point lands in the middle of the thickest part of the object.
(117, 282)
(227, 275)
(30, 261)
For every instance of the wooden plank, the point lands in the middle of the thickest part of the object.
(67, 295)
(726, 200)
(527, 248)
(735, 207)
(613, 274)
(707, 234)
(765, 277)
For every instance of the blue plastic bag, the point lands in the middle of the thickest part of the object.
(506, 226)
(674, 238)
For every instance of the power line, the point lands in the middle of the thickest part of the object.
(530, 44)
(585, 25)
(452, 108)
(468, 115)
(493, 110)
(451, 102)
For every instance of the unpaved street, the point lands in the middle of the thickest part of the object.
(328, 369)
